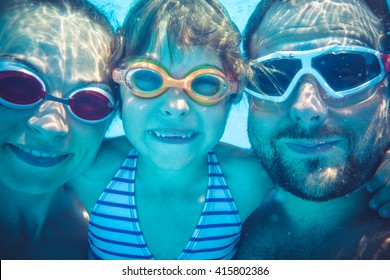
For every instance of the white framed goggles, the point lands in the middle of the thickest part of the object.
(206, 85)
(341, 70)
(21, 88)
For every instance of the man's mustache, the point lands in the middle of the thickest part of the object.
(317, 132)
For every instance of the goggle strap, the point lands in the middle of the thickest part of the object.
(56, 99)
(117, 75)
(386, 62)
(233, 87)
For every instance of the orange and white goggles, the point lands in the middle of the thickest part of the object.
(206, 85)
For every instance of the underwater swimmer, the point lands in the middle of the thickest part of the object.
(55, 106)
(158, 200)
(170, 195)
(321, 130)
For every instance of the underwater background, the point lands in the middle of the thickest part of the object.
(239, 11)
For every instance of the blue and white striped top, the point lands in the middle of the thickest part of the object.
(115, 233)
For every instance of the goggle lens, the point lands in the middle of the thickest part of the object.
(20, 88)
(90, 105)
(207, 85)
(144, 80)
(346, 71)
(275, 76)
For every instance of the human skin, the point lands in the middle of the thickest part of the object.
(43, 147)
(173, 135)
(58, 54)
(318, 210)
(293, 142)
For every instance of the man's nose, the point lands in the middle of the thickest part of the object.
(308, 108)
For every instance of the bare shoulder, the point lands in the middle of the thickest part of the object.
(242, 162)
(245, 176)
(92, 182)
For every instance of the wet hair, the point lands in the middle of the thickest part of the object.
(378, 7)
(187, 23)
(81, 7)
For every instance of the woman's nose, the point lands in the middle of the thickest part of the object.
(50, 120)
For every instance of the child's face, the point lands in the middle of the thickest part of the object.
(171, 130)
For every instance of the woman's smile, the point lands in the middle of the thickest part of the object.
(38, 157)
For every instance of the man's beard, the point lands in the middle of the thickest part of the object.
(312, 178)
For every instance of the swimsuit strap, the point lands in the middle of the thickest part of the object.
(115, 233)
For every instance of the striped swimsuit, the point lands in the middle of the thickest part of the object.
(115, 233)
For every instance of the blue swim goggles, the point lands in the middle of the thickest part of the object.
(343, 71)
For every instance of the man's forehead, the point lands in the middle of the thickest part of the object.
(300, 21)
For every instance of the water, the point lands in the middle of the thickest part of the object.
(239, 11)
